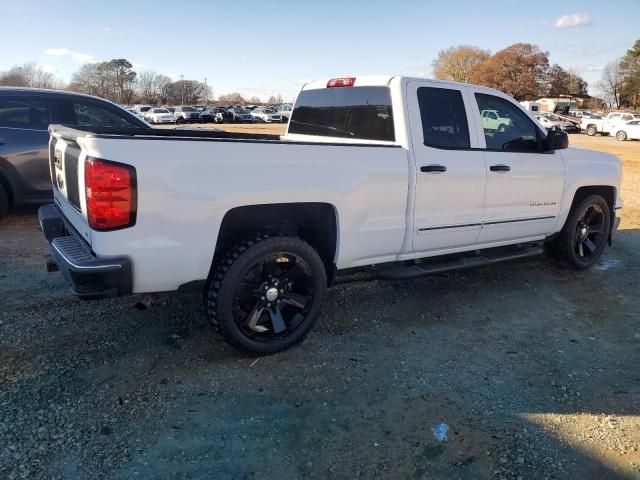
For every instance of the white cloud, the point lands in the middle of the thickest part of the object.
(65, 52)
(57, 52)
(574, 20)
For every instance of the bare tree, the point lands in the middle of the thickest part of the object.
(151, 87)
(29, 75)
(272, 100)
(611, 83)
(457, 63)
(254, 100)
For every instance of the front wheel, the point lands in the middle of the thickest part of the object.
(621, 136)
(584, 235)
(265, 294)
(592, 130)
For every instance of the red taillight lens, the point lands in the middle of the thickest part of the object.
(111, 194)
(341, 82)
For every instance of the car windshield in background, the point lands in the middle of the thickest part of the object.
(242, 111)
(362, 113)
(188, 109)
(160, 110)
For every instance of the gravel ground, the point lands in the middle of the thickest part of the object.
(532, 367)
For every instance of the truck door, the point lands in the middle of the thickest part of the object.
(450, 173)
(524, 184)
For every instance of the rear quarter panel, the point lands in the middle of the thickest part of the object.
(185, 187)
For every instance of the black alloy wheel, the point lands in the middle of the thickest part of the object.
(265, 294)
(585, 233)
(590, 232)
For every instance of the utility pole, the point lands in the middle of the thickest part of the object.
(206, 92)
(182, 97)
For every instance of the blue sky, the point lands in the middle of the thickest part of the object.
(264, 48)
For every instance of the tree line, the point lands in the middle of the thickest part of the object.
(115, 80)
(523, 71)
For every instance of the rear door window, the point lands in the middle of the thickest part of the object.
(363, 113)
(29, 113)
(444, 118)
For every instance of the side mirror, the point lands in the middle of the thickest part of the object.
(556, 140)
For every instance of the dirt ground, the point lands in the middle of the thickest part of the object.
(533, 368)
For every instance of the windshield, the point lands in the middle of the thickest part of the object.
(160, 110)
(348, 112)
(242, 110)
(145, 109)
(188, 109)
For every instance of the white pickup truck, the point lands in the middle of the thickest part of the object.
(393, 174)
(594, 124)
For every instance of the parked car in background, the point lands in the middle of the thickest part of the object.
(628, 130)
(265, 115)
(141, 109)
(215, 115)
(284, 110)
(186, 114)
(159, 115)
(240, 115)
(607, 124)
(25, 115)
(550, 120)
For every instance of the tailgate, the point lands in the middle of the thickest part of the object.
(66, 161)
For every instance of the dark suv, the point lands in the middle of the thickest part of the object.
(25, 115)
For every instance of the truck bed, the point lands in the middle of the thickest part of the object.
(148, 133)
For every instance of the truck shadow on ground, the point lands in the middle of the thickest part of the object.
(532, 367)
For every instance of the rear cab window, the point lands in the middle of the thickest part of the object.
(358, 113)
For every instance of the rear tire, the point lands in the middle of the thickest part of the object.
(4, 202)
(592, 130)
(265, 294)
(621, 136)
(584, 236)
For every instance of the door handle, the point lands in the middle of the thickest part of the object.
(433, 168)
(500, 168)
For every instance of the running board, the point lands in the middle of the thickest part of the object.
(481, 258)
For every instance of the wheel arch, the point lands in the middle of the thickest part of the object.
(314, 222)
(608, 192)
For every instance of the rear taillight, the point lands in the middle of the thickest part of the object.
(341, 82)
(111, 192)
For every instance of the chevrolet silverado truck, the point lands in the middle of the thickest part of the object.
(393, 175)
